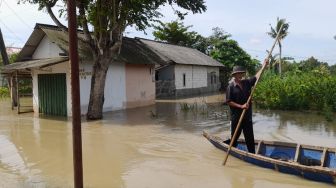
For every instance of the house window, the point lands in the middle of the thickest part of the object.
(184, 79)
(213, 79)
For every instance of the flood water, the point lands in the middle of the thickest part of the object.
(159, 146)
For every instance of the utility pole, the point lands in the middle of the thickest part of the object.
(76, 111)
(11, 80)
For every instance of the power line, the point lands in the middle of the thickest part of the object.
(13, 33)
(17, 15)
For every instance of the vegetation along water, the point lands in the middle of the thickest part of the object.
(308, 85)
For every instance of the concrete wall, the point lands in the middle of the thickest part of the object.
(166, 73)
(198, 82)
(140, 85)
(46, 49)
(115, 95)
(196, 76)
(115, 89)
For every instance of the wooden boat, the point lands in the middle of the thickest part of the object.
(310, 162)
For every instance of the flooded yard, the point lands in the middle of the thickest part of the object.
(159, 146)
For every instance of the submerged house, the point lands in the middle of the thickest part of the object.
(145, 70)
(130, 81)
(187, 72)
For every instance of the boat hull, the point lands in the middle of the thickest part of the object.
(288, 166)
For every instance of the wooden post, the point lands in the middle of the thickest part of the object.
(248, 101)
(76, 111)
(11, 80)
(17, 92)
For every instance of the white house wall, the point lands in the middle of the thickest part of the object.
(85, 74)
(196, 76)
(115, 92)
(46, 49)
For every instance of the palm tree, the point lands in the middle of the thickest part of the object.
(283, 33)
(273, 61)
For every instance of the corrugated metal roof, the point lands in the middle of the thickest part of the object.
(180, 54)
(29, 48)
(55, 35)
(134, 51)
(32, 64)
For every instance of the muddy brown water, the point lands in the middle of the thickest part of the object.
(159, 146)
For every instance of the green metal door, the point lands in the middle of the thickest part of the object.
(52, 94)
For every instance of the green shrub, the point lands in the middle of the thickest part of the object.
(297, 91)
(4, 92)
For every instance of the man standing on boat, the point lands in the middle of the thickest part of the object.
(237, 94)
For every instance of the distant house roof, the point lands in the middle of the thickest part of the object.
(180, 54)
(12, 50)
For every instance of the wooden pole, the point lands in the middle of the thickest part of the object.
(17, 92)
(249, 99)
(76, 113)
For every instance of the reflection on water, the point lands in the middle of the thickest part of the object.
(155, 146)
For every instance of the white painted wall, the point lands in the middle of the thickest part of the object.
(196, 76)
(115, 91)
(199, 76)
(85, 74)
(115, 88)
(46, 49)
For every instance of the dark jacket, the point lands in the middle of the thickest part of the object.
(236, 94)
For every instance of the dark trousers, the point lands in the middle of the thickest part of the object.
(247, 128)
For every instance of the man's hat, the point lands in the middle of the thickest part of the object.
(238, 69)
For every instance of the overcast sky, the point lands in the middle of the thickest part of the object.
(311, 31)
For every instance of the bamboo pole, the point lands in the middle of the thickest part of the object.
(249, 99)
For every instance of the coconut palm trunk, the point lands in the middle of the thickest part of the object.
(280, 59)
(283, 33)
